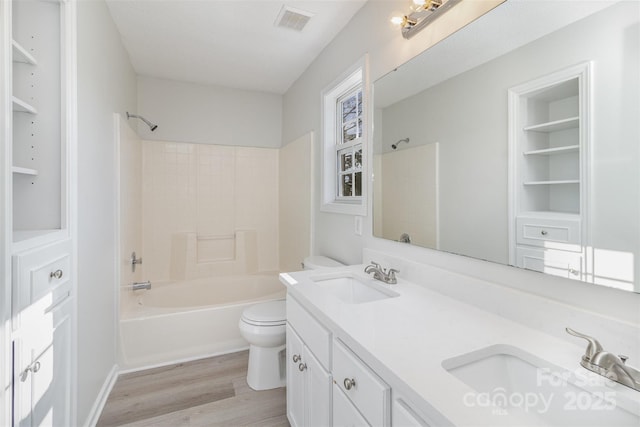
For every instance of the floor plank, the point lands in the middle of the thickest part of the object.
(207, 392)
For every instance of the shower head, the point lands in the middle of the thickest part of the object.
(394, 146)
(152, 126)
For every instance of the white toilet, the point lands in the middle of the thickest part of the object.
(264, 327)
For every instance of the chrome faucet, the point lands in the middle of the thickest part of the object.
(379, 273)
(607, 364)
(138, 286)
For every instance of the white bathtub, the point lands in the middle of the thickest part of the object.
(189, 320)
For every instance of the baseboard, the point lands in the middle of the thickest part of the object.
(101, 400)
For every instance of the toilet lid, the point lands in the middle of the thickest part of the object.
(271, 313)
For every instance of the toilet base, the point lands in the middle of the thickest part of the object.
(266, 367)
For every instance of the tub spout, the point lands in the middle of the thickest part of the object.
(137, 286)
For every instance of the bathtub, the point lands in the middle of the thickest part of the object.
(177, 321)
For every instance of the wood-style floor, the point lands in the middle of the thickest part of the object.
(207, 392)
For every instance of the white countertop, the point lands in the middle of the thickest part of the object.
(406, 339)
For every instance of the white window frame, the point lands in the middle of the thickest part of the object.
(331, 200)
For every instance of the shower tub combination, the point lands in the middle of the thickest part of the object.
(176, 321)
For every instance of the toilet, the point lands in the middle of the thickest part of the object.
(264, 327)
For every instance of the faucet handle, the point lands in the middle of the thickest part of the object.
(375, 264)
(593, 347)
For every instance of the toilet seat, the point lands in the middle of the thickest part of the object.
(272, 313)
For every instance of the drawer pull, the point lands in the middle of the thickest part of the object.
(296, 358)
(573, 271)
(302, 367)
(349, 383)
(56, 274)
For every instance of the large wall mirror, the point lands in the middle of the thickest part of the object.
(517, 140)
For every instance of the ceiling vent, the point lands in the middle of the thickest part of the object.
(294, 19)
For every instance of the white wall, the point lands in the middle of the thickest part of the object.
(106, 84)
(189, 112)
(369, 32)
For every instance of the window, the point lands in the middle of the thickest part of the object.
(344, 133)
(349, 145)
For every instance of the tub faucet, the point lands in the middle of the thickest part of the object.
(607, 364)
(379, 273)
(138, 286)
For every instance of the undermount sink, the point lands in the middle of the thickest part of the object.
(352, 290)
(508, 380)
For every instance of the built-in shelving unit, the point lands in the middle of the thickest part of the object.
(39, 134)
(548, 142)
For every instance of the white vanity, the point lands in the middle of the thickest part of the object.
(361, 352)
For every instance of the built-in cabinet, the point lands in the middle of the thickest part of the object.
(39, 84)
(548, 172)
(329, 384)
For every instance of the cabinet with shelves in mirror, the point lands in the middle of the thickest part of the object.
(548, 144)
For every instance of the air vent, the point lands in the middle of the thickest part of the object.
(294, 19)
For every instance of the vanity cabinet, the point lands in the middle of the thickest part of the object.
(329, 384)
(308, 379)
(548, 171)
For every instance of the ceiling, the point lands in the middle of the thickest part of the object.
(230, 43)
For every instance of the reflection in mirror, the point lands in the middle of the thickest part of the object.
(522, 142)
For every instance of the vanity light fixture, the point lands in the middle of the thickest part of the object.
(423, 12)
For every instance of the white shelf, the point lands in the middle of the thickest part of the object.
(27, 239)
(549, 215)
(24, 171)
(552, 151)
(567, 181)
(23, 107)
(20, 54)
(554, 126)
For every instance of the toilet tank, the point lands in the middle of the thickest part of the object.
(317, 261)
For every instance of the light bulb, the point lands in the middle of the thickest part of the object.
(397, 20)
(419, 2)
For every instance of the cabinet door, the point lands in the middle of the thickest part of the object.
(42, 379)
(317, 392)
(344, 413)
(295, 379)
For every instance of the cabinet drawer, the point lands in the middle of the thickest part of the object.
(344, 413)
(541, 231)
(549, 261)
(39, 271)
(316, 337)
(361, 385)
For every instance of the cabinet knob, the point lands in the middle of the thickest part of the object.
(296, 358)
(56, 274)
(349, 383)
(574, 271)
(543, 232)
(302, 367)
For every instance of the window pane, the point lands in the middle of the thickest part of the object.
(350, 132)
(350, 108)
(346, 161)
(358, 184)
(359, 103)
(359, 132)
(358, 158)
(347, 185)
